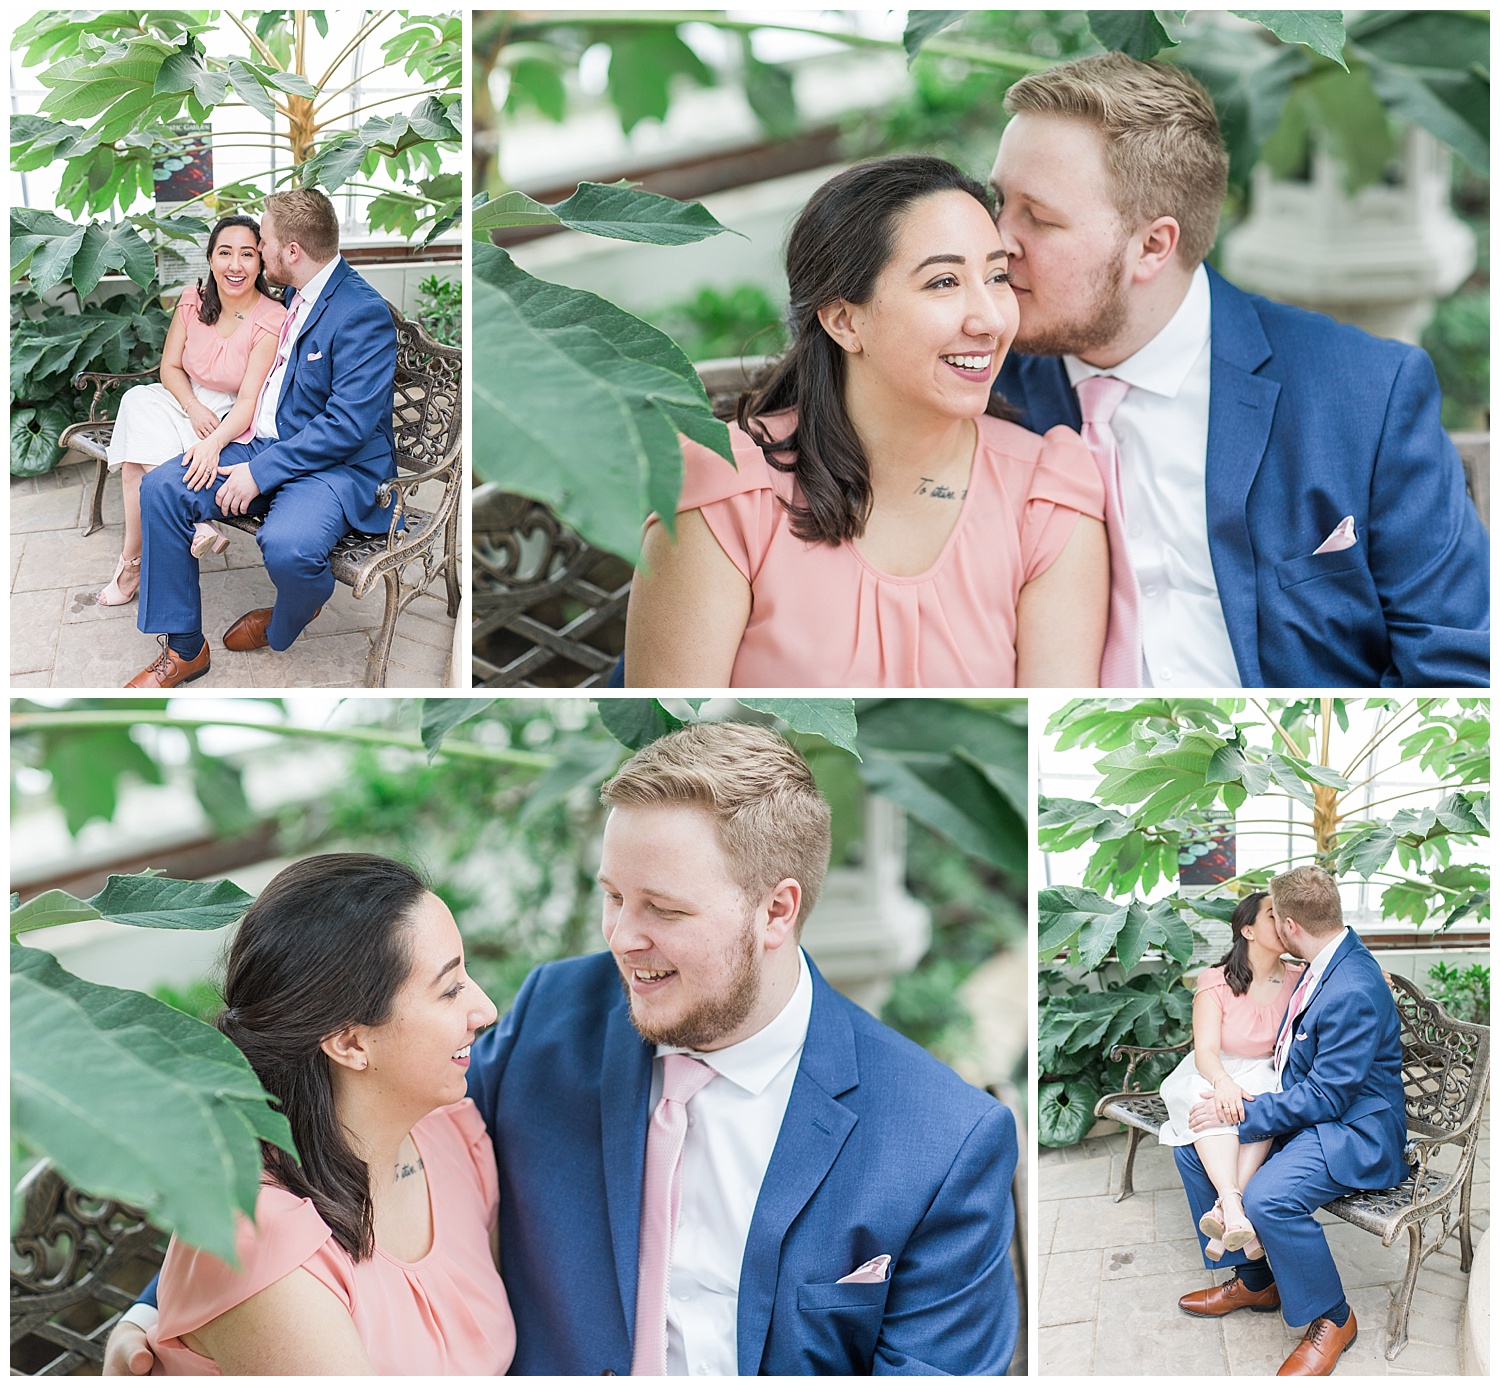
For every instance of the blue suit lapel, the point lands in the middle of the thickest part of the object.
(1045, 393)
(340, 270)
(1241, 407)
(1340, 954)
(813, 1131)
(624, 1110)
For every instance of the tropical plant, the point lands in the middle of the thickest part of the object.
(453, 778)
(440, 309)
(130, 94)
(1462, 992)
(1172, 772)
(112, 1086)
(51, 343)
(594, 436)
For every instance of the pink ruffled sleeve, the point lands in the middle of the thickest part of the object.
(1211, 980)
(189, 303)
(196, 1287)
(738, 503)
(269, 316)
(1065, 484)
(470, 1129)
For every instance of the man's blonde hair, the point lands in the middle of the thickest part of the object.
(1310, 896)
(1161, 139)
(306, 216)
(773, 820)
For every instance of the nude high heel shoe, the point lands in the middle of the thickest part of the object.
(207, 536)
(114, 594)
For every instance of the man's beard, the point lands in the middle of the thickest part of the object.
(1106, 318)
(714, 1016)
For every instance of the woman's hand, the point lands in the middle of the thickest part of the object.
(202, 463)
(202, 418)
(1229, 1101)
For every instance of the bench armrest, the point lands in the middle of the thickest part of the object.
(1138, 1054)
(102, 381)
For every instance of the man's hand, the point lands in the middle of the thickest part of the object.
(126, 1353)
(1202, 1115)
(238, 490)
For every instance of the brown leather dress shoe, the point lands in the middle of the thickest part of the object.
(1320, 1349)
(169, 668)
(1218, 1300)
(249, 632)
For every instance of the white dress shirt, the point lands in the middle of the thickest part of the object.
(1162, 428)
(265, 418)
(733, 1124)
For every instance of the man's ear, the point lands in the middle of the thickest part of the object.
(1157, 244)
(782, 905)
(838, 322)
(347, 1049)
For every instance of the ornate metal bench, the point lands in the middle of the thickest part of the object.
(421, 544)
(76, 1264)
(1445, 1068)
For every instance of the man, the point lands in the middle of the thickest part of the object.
(822, 1197)
(1284, 506)
(322, 443)
(1338, 1124)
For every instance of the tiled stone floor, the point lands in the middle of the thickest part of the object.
(61, 638)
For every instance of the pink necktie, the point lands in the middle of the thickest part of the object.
(1284, 1039)
(661, 1197)
(283, 347)
(1098, 398)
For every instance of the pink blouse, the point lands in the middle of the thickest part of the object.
(221, 362)
(445, 1315)
(1249, 1030)
(823, 616)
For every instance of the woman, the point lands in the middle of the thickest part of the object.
(220, 349)
(1237, 1014)
(346, 990)
(882, 526)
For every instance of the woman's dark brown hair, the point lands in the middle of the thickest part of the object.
(326, 946)
(210, 307)
(1236, 962)
(845, 236)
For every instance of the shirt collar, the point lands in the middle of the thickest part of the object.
(1319, 965)
(309, 292)
(1162, 365)
(754, 1062)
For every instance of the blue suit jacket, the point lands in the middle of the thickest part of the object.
(882, 1150)
(334, 414)
(1310, 421)
(1343, 1075)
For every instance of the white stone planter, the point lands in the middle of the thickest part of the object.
(866, 930)
(1379, 259)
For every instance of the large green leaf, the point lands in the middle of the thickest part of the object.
(440, 715)
(160, 902)
(942, 727)
(107, 248)
(49, 908)
(1065, 1111)
(616, 210)
(1320, 30)
(134, 1101)
(643, 63)
(578, 404)
(954, 798)
(33, 439)
(1138, 33)
(830, 718)
(636, 722)
(921, 25)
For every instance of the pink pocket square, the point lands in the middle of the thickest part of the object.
(871, 1273)
(1343, 537)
